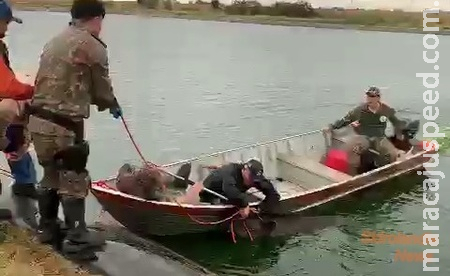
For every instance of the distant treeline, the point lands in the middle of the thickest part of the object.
(297, 9)
(238, 7)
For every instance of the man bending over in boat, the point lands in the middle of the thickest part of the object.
(369, 121)
(234, 179)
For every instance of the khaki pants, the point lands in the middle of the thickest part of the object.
(48, 140)
(359, 143)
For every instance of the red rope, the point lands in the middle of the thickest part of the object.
(230, 218)
(136, 147)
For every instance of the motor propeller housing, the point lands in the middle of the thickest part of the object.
(411, 128)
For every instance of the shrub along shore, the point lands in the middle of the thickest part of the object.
(281, 13)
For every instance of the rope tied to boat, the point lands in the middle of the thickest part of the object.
(234, 217)
(231, 218)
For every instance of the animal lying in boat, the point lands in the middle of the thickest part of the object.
(296, 165)
(150, 183)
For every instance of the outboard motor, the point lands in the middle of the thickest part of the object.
(411, 128)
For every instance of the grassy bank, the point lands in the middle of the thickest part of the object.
(253, 12)
(21, 256)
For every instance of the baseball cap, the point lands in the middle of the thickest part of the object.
(373, 92)
(256, 169)
(87, 9)
(6, 13)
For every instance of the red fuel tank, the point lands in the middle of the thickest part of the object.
(338, 160)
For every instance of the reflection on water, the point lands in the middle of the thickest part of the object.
(333, 229)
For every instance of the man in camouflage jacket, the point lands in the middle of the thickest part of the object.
(73, 74)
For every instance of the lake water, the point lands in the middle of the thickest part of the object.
(192, 87)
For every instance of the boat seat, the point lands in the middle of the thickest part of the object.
(297, 168)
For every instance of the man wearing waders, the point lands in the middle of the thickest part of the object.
(73, 74)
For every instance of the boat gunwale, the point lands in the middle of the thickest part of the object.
(229, 206)
(95, 187)
(369, 184)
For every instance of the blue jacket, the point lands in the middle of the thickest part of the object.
(23, 170)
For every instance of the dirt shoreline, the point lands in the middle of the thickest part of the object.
(21, 255)
(131, 8)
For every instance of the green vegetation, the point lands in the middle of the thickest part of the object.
(300, 9)
(444, 142)
(20, 255)
(281, 13)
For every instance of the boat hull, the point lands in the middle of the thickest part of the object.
(167, 218)
(155, 218)
(295, 166)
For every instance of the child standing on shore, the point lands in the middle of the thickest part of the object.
(24, 172)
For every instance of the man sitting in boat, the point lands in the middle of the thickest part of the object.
(369, 121)
(234, 179)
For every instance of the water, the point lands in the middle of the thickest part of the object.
(190, 87)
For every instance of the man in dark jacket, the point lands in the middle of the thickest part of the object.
(234, 179)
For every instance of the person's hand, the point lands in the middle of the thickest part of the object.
(244, 212)
(326, 129)
(400, 136)
(116, 112)
(355, 124)
(26, 77)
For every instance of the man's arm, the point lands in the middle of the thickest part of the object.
(270, 202)
(267, 188)
(10, 87)
(351, 116)
(396, 122)
(234, 195)
(101, 91)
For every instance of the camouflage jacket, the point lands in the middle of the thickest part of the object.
(371, 124)
(74, 73)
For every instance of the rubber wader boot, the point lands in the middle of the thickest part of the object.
(5, 214)
(24, 196)
(48, 200)
(183, 172)
(80, 243)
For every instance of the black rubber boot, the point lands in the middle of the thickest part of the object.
(183, 172)
(80, 243)
(24, 196)
(5, 214)
(48, 200)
